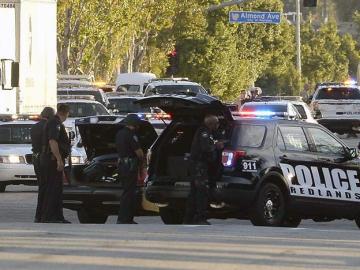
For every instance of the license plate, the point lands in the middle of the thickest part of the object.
(249, 166)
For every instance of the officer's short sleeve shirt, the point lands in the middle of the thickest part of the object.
(127, 143)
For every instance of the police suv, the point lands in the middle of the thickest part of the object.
(273, 171)
(337, 106)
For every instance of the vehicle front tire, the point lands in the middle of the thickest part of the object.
(2, 187)
(87, 216)
(171, 216)
(269, 208)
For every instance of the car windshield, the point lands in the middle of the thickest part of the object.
(15, 134)
(97, 95)
(126, 105)
(128, 88)
(338, 93)
(177, 89)
(264, 107)
(86, 109)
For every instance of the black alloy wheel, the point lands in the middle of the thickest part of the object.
(87, 216)
(269, 208)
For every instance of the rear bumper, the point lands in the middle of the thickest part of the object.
(235, 197)
(105, 200)
(340, 125)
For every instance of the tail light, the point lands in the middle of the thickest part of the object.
(142, 176)
(229, 157)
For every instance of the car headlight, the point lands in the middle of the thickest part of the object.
(12, 159)
(77, 160)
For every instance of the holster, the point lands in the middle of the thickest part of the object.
(127, 166)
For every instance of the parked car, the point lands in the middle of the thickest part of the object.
(16, 166)
(173, 86)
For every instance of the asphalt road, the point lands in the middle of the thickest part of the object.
(227, 244)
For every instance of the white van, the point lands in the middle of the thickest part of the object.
(135, 82)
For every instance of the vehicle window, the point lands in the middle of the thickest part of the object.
(325, 143)
(97, 95)
(294, 138)
(280, 142)
(128, 88)
(301, 111)
(338, 93)
(15, 134)
(86, 109)
(126, 105)
(177, 89)
(249, 135)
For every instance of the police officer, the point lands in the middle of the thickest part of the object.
(37, 132)
(56, 148)
(131, 158)
(203, 153)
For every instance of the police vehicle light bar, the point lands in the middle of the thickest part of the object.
(18, 117)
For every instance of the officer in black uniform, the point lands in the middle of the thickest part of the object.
(131, 158)
(37, 132)
(56, 148)
(203, 154)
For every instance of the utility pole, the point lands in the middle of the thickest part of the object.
(298, 42)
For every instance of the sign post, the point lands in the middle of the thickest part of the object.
(254, 17)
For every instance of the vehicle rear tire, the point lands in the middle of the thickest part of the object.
(171, 216)
(269, 208)
(87, 216)
(291, 222)
(2, 187)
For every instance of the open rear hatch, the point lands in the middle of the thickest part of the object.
(183, 105)
(98, 138)
(170, 154)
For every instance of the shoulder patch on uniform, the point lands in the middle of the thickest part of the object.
(136, 138)
(204, 134)
(58, 127)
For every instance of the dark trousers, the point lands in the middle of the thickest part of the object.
(41, 186)
(128, 198)
(52, 204)
(197, 202)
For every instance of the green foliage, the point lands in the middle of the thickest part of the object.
(110, 36)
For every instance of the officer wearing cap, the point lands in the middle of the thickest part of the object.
(37, 132)
(203, 154)
(56, 148)
(131, 158)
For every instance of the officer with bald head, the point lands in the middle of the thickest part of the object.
(203, 154)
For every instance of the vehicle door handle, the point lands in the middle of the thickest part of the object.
(284, 157)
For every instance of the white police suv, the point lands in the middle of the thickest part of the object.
(337, 106)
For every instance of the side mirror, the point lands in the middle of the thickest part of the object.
(9, 75)
(208, 91)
